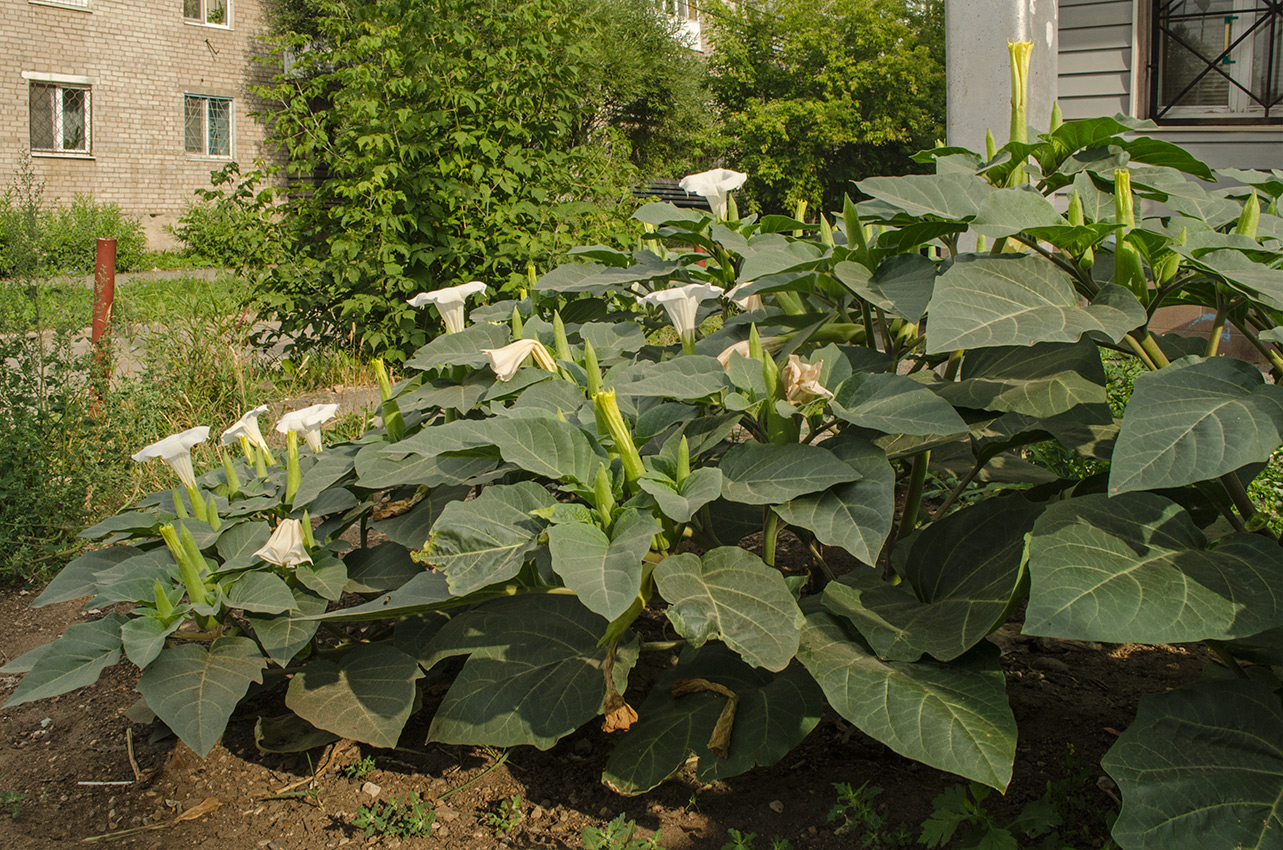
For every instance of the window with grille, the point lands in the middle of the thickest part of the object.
(207, 125)
(215, 12)
(1218, 61)
(59, 116)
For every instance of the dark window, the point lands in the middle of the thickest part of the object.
(1218, 61)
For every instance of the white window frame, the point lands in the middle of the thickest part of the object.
(203, 20)
(76, 5)
(206, 100)
(62, 83)
(1239, 109)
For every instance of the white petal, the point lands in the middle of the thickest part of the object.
(176, 450)
(714, 186)
(507, 360)
(307, 419)
(285, 547)
(247, 427)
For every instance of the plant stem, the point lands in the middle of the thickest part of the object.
(1139, 351)
(1155, 353)
(913, 497)
(819, 559)
(867, 315)
(951, 368)
(1218, 325)
(1268, 351)
(957, 491)
(1242, 501)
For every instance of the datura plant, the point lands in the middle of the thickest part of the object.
(563, 491)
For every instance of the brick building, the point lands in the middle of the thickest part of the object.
(134, 101)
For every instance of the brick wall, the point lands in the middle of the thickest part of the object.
(141, 57)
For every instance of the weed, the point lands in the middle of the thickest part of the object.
(396, 819)
(855, 807)
(11, 801)
(619, 834)
(778, 843)
(359, 770)
(505, 820)
(739, 840)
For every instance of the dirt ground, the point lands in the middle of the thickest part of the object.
(70, 758)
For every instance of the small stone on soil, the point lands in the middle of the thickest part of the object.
(371, 789)
(776, 806)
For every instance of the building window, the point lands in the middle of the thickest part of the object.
(59, 118)
(1218, 62)
(207, 125)
(215, 12)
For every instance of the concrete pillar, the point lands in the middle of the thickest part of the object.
(978, 69)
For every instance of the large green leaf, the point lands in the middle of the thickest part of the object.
(1010, 211)
(1042, 380)
(953, 717)
(894, 404)
(331, 465)
(604, 572)
(367, 696)
(261, 592)
(141, 523)
(426, 591)
(960, 576)
(856, 516)
(411, 528)
(143, 637)
(486, 540)
(285, 635)
(769, 474)
(1196, 419)
(983, 301)
(951, 196)
(1135, 568)
(610, 340)
(732, 596)
(72, 661)
(77, 578)
(379, 471)
(690, 377)
(326, 576)
(135, 580)
(1202, 766)
(461, 349)
(773, 713)
(448, 394)
(902, 284)
(237, 546)
(374, 569)
(547, 447)
(194, 690)
(534, 672)
(679, 504)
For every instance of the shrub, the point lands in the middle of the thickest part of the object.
(70, 236)
(235, 224)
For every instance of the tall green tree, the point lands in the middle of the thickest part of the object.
(816, 93)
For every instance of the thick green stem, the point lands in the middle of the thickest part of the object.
(1243, 502)
(1218, 326)
(866, 313)
(1268, 351)
(951, 368)
(1139, 351)
(913, 496)
(1155, 353)
(957, 491)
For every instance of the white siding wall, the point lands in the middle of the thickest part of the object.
(1098, 46)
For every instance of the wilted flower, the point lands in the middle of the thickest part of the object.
(507, 360)
(247, 427)
(802, 381)
(449, 302)
(682, 304)
(176, 450)
(714, 186)
(285, 547)
(309, 421)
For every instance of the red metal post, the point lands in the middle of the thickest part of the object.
(104, 294)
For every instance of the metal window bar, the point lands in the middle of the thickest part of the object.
(220, 127)
(1268, 14)
(59, 120)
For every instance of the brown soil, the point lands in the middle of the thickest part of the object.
(1065, 694)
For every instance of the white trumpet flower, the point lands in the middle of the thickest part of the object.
(682, 304)
(714, 186)
(802, 381)
(449, 302)
(176, 451)
(285, 547)
(747, 303)
(247, 427)
(308, 421)
(507, 360)
(740, 348)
